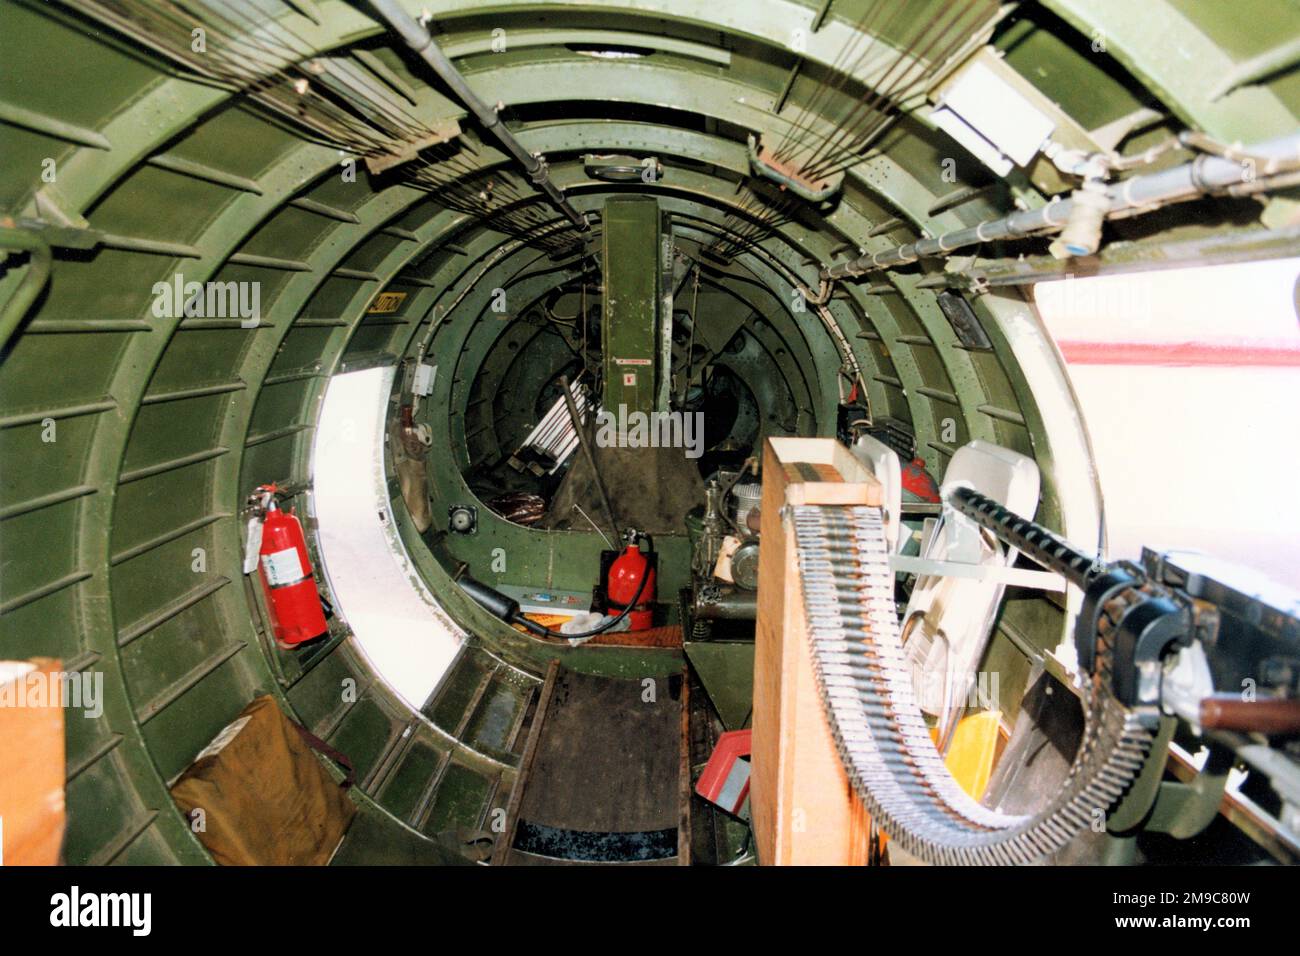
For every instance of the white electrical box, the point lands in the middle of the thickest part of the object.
(991, 118)
(422, 384)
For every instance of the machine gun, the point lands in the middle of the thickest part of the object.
(1161, 643)
(1180, 636)
(1160, 621)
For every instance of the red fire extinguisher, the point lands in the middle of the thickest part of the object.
(625, 581)
(917, 481)
(286, 572)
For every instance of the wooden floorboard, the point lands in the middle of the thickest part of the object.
(501, 850)
(608, 760)
(670, 636)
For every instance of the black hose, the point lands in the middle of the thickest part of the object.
(544, 631)
(507, 609)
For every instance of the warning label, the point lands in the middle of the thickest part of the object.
(282, 567)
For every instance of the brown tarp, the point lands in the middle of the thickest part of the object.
(265, 797)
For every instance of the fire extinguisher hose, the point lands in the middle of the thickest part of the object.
(507, 609)
(599, 629)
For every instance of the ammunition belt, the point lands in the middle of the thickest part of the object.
(882, 738)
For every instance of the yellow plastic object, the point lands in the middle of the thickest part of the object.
(553, 621)
(974, 745)
(972, 753)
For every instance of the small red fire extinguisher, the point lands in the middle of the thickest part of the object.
(285, 570)
(625, 585)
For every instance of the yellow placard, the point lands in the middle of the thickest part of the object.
(386, 303)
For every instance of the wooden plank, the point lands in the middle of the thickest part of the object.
(768, 665)
(803, 807)
(607, 759)
(32, 764)
(668, 636)
(502, 848)
(821, 471)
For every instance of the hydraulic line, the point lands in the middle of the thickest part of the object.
(1203, 175)
(421, 41)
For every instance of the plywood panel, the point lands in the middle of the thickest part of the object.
(803, 809)
(31, 763)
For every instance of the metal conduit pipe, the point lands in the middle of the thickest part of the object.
(1205, 174)
(38, 271)
(421, 41)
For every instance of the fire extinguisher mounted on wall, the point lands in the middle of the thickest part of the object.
(277, 544)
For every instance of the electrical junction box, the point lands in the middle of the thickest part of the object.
(1005, 121)
(987, 115)
(422, 384)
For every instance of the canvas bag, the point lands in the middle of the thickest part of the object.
(265, 797)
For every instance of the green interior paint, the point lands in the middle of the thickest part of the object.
(630, 319)
(129, 439)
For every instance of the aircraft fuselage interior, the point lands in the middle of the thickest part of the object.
(773, 432)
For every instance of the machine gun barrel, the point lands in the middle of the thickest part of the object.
(1031, 539)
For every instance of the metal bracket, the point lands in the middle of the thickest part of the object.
(1015, 577)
